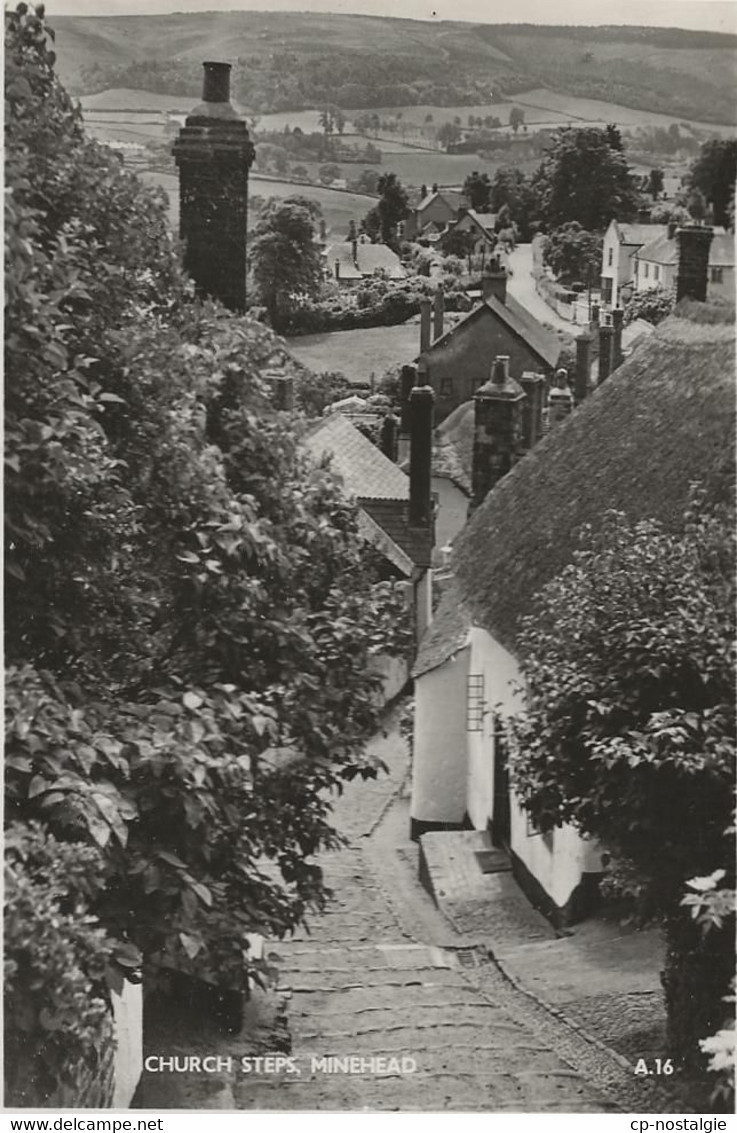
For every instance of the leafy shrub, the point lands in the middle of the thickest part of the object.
(57, 1006)
(632, 741)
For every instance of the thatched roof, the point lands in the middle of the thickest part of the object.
(664, 419)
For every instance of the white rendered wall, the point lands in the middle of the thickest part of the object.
(439, 756)
(128, 1031)
(558, 862)
(500, 670)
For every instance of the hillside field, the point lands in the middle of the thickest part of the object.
(338, 208)
(291, 61)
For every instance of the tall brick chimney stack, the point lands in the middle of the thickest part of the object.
(214, 153)
(494, 282)
(694, 241)
(420, 456)
(532, 408)
(438, 314)
(425, 324)
(618, 324)
(582, 378)
(497, 440)
(407, 380)
(606, 342)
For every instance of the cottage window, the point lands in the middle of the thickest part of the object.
(716, 275)
(656, 272)
(475, 707)
(610, 261)
(446, 387)
(647, 270)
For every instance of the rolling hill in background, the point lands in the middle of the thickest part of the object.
(292, 61)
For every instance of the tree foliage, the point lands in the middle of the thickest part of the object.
(714, 173)
(477, 191)
(573, 253)
(285, 258)
(653, 305)
(393, 206)
(191, 612)
(585, 177)
(629, 663)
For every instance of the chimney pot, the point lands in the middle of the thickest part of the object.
(560, 399)
(216, 82)
(500, 369)
(425, 324)
(532, 408)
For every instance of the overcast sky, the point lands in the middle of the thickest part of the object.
(711, 15)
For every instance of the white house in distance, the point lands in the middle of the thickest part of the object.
(621, 242)
(656, 264)
(663, 419)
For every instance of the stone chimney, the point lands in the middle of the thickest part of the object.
(407, 379)
(694, 241)
(497, 438)
(618, 324)
(560, 399)
(214, 153)
(672, 229)
(532, 408)
(494, 282)
(425, 324)
(438, 314)
(389, 438)
(584, 343)
(420, 457)
(606, 341)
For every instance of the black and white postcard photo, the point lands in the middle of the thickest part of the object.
(370, 584)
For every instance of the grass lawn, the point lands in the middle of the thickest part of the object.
(358, 353)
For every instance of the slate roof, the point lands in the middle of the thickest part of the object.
(485, 220)
(446, 634)
(518, 319)
(452, 197)
(365, 470)
(665, 418)
(369, 259)
(639, 233)
(665, 251)
(393, 517)
(380, 488)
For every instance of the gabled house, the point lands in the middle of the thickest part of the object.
(479, 225)
(353, 261)
(621, 242)
(396, 513)
(663, 419)
(439, 208)
(457, 362)
(655, 264)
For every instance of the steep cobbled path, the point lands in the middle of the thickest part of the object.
(363, 985)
